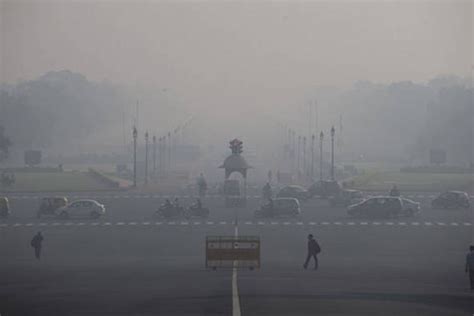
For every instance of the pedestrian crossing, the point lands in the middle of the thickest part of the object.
(244, 223)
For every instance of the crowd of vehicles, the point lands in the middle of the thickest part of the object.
(286, 204)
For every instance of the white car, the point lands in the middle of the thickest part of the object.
(81, 208)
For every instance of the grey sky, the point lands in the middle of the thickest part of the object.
(250, 52)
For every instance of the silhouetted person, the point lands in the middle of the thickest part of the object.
(313, 250)
(394, 191)
(36, 243)
(470, 265)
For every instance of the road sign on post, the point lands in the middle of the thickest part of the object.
(230, 252)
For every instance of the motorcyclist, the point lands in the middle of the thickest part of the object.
(267, 191)
(394, 191)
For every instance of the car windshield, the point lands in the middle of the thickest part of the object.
(207, 157)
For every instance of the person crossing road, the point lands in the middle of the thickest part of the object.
(313, 250)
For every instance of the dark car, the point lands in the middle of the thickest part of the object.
(346, 198)
(451, 200)
(49, 205)
(383, 206)
(281, 207)
(293, 191)
(324, 188)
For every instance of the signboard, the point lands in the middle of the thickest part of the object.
(230, 251)
(437, 156)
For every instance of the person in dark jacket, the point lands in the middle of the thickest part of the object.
(313, 250)
(36, 243)
(470, 265)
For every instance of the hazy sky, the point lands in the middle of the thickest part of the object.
(242, 51)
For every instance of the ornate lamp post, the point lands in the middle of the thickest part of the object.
(333, 133)
(321, 138)
(154, 156)
(134, 134)
(312, 157)
(146, 157)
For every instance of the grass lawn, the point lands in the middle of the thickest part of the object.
(384, 180)
(54, 181)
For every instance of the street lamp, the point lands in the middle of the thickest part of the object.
(134, 134)
(154, 156)
(146, 157)
(312, 157)
(333, 132)
(321, 138)
(304, 155)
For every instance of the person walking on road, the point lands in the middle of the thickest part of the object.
(470, 265)
(36, 243)
(313, 250)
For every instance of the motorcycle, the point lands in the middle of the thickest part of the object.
(170, 211)
(194, 211)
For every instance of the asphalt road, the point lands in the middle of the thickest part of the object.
(129, 263)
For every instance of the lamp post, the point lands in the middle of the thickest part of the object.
(169, 150)
(146, 157)
(154, 156)
(298, 151)
(333, 132)
(304, 155)
(134, 134)
(160, 155)
(312, 157)
(321, 138)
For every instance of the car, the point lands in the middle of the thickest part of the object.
(324, 188)
(381, 206)
(451, 200)
(81, 208)
(410, 207)
(281, 207)
(346, 198)
(49, 205)
(4, 207)
(293, 191)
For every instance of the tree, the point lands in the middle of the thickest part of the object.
(5, 143)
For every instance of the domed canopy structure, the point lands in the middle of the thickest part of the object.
(235, 162)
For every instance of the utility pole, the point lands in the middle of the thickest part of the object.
(312, 157)
(298, 150)
(333, 132)
(154, 156)
(321, 138)
(134, 134)
(169, 150)
(146, 157)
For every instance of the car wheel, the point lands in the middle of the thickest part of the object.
(64, 215)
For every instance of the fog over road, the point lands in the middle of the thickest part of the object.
(131, 263)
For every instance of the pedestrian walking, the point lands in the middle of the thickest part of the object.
(313, 250)
(470, 265)
(36, 243)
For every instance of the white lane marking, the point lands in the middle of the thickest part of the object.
(184, 223)
(454, 224)
(274, 223)
(223, 223)
(375, 223)
(171, 223)
(17, 224)
(210, 223)
(389, 223)
(312, 223)
(441, 224)
(364, 223)
(107, 224)
(428, 224)
(261, 223)
(286, 223)
(132, 223)
(324, 223)
(146, 223)
(415, 223)
(3, 225)
(29, 224)
(235, 288)
(350, 223)
(299, 223)
(158, 223)
(248, 223)
(56, 224)
(68, 224)
(120, 223)
(467, 224)
(94, 224)
(43, 224)
(197, 223)
(402, 223)
(80, 224)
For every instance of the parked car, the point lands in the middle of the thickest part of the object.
(280, 207)
(4, 207)
(293, 191)
(324, 189)
(383, 206)
(49, 205)
(81, 208)
(346, 198)
(451, 200)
